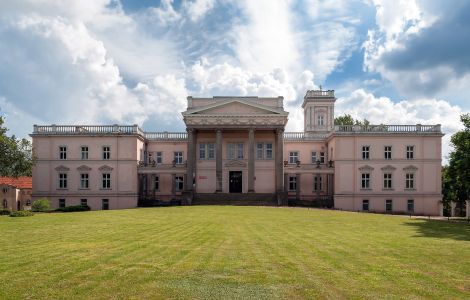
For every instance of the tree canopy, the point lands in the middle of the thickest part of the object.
(347, 119)
(16, 155)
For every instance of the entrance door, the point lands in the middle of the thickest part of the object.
(235, 180)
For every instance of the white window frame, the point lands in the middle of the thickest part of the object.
(365, 152)
(106, 152)
(235, 151)
(387, 152)
(292, 184)
(106, 181)
(179, 183)
(293, 157)
(158, 157)
(63, 152)
(365, 202)
(178, 157)
(156, 183)
(210, 151)
(63, 181)
(387, 181)
(365, 181)
(322, 157)
(410, 152)
(391, 205)
(84, 181)
(84, 154)
(314, 157)
(410, 181)
(202, 150)
(321, 120)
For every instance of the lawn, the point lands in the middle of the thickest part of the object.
(230, 252)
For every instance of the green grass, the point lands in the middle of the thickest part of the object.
(229, 252)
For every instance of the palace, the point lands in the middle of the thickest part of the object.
(235, 151)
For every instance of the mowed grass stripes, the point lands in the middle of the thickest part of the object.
(230, 252)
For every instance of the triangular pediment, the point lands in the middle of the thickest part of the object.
(234, 107)
(84, 168)
(105, 168)
(366, 168)
(62, 168)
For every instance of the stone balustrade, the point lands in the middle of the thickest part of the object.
(388, 128)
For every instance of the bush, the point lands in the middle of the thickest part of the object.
(40, 205)
(21, 213)
(74, 208)
(4, 212)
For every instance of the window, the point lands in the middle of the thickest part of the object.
(104, 204)
(322, 157)
(106, 152)
(292, 183)
(387, 180)
(410, 206)
(62, 180)
(158, 157)
(61, 202)
(321, 120)
(202, 151)
(106, 181)
(365, 205)
(365, 152)
(84, 152)
(318, 183)
(5, 190)
(264, 151)
(5, 203)
(314, 157)
(293, 157)
(157, 183)
(28, 202)
(211, 151)
(178, 157)
(388, 205)
(84, 183)
(62, 152)
(365, 182)
(410, 152)
(83, 202)
(409, 181)
(235, 151)
(388, 152)
(179, 183)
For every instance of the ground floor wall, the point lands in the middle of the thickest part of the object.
(94, 202)
(421, 205)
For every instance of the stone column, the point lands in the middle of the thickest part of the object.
(251, 160)
(191, 157)
(453, 205)
(279, 156)
(297, 188)
(467, 213)
(218, 160)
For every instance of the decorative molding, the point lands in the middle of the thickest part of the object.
(235, 163)
(410, 168)
(366, 168)
(84, 168)
(218, 120)
(388, 168)
(105, 168)
(62, 168)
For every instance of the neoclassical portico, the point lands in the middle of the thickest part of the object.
(243, 123)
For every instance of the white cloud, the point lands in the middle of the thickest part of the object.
(165, 14)
(198, 8)
(382, 110)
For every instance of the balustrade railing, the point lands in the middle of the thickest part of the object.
(389, 128)
(299, 136)
(86, 129)
(320, 93)
(166, 136)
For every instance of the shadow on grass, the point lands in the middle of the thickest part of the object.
(442, 229)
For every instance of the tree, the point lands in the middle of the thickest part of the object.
(40, 205)
(456, 177)
(348, 120)
(16, 155)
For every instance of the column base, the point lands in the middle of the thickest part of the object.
(251, 191)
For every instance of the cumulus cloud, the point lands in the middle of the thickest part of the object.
(198, 8)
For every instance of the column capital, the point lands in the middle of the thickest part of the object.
(279, 130)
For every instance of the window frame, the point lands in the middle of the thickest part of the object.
(387, 203)
(156, 183)
(106, 182)
(179, 183)
(84, 154)
(410, 182)
(412, 203)
(293, 154)
(365, 153)
(389, 180)
(410, 152)
(388, 152)
(63, 152)
(318, 183)
(106, 153)
(84, 201)
(84, 180)
(178, 157)
(365, 204)
(292, 183)
(234, 150)
(365, 181)
(158, 157)
(62, 203)
(63, 180)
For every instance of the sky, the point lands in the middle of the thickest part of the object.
(135, 62)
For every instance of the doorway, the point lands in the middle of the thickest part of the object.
(235, 181)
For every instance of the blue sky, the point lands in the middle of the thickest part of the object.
(111, 61)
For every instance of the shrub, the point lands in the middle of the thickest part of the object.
(4, 212)
(74, 208)
(21, 213)
(40, 205)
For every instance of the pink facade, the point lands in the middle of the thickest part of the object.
(235, 149)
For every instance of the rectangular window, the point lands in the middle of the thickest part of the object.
(318, 183)
(202, 151)
(322, 157)
(211, 151)
(179, 183)
(365, 152)
(84, 152)
(158, 157)
(106, 181)
(84, 182)
(178, 157)
(410, 181)
(388, 205)
(293, 157)
(292, 183)
(106, 152)
(314, 157)
(104, 204)
(235, 151)
(388, 152)
(269, 151)
(62, 152)
(61, 203)
(83, 202)
(387, 180)
(321, 120)
(365, 182)
(259, 150)
(365, 205)
(410, 152)
(157, 183)
(62, 180)
(410, 206)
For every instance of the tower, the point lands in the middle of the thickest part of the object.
(318, 108)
